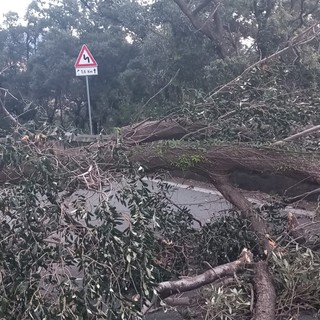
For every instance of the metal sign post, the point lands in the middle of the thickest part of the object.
(86, 66)
(89, 105)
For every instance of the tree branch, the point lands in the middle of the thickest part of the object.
(201, 6)
(306, 36)
(14, 122)
(204, 26)
(235, 197)
(169, 288)
(298, 135)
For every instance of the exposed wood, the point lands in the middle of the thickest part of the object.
(265, 293)
(294, 229)
(169, 288)
(193, 298)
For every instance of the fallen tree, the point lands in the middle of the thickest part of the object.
(91, 167)
(106, 264)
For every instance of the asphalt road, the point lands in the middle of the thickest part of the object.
(203, 203)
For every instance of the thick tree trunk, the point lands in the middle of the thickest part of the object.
(234, 196)
(147, 131)
(265, 293)
(211, 161)
(229, 158)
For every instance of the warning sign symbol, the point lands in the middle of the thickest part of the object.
(85, 58)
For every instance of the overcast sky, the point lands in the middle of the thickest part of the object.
(19, 6)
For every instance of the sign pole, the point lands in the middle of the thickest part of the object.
(86, 66)
(89, 105)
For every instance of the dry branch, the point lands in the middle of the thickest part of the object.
(13, 121)
(169, 288)
(299, 135)
(194, 298)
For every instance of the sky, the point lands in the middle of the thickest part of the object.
(19, 6)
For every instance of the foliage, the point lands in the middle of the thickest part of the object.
(186, 162)
(61, 259)
(223, 239)
(296, 273)
(151, 60)
(228, 303)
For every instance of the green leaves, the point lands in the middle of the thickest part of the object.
(63, 256)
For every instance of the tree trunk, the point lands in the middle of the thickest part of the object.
(265, 293)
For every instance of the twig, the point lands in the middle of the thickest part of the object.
(209, 18)
(4, 69)
(302, 196)
(6, 91)
(298, 135)
(14, 121)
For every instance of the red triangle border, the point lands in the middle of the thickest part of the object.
(78, 65)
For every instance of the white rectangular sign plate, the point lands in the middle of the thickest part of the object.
(87, 71)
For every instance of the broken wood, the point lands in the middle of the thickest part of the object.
(169, 288)
(195, 297)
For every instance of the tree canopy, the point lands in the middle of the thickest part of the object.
(155, 58)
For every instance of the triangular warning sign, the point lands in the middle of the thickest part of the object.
(85, 58)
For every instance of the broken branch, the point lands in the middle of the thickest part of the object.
(169, 288)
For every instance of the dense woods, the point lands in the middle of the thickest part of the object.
(211, 90)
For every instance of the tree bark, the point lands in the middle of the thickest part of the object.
(206, 26)
(224, 159)
(169, 288)
(147, 131)
(265, 293)
(235, 197)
